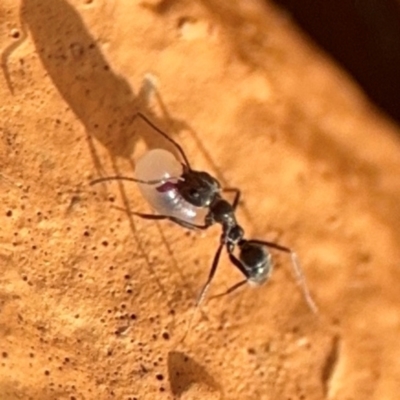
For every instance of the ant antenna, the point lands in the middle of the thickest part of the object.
(157, 129)
(124, 178)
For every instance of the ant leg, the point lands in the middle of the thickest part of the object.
(188, 225)
(237, 195)
(147, 216)
(157, 129)
(273, 245)
(205, 288)
(230, 290)
(298, 271)
(239, 265)
(124, 178)
(178, 221)
(210, 275)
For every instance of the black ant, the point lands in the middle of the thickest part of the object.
(181, 194)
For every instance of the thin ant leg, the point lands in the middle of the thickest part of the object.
(273, 245)
(147, 216)
(188, 225)
(178, 221)
(205, 287)
(210, 275)
(298, 271)
(237, 195)
(236, 262)
(230, 290)
(124, 178)
(157, 129)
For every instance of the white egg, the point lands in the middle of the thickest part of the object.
(161, 164)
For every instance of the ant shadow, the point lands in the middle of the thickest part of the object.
(184, 372)
(103, 100)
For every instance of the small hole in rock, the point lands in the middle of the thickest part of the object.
(15, 33)
(160, 377)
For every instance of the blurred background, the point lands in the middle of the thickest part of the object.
(363, 36)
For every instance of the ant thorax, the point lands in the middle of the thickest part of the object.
(165, 197)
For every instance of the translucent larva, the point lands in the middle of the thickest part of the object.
(164, 197)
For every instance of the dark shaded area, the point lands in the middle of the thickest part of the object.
(364, 36)
(183, 372)
(102, 99)
(330, 365)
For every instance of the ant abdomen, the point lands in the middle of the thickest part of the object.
(256, 261)
(164, 197)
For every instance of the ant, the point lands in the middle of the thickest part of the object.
(184, 195)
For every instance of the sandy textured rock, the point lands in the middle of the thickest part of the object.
(94, 302)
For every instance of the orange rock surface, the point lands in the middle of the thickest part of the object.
(94, 302)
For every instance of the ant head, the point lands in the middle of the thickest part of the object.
(256, 261)
(198, 188)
